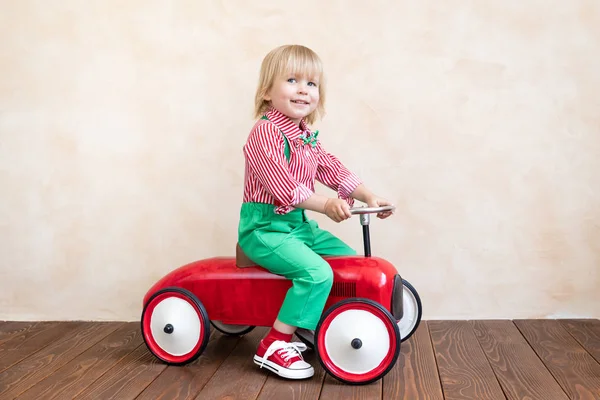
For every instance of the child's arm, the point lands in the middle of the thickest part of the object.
(336, 209)
(264, 152)
(332, 173)
(363, 194)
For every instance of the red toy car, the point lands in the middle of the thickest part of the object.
(369, 312)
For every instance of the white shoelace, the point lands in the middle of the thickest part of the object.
(287, 350)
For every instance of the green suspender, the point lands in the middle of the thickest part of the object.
(286, 149)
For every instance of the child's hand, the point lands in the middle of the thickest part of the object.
(337, 209)
(379, 202)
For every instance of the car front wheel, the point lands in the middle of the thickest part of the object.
(357, 341)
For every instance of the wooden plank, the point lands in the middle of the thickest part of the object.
(83, 370)
(185, 382)
(238, 377)
(519, 370)
(571, 365)
(29, 341)
(463, 367)
(127, 378)
(277, 388)
(415, 375)
(587, 333)
(33, 369)
(9, 328)
(16, 334)
(334, 389)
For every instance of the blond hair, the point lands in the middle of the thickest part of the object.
(289, 59)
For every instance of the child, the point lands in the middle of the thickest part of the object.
(283, 159)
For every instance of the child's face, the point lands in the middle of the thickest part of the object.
(294, 96)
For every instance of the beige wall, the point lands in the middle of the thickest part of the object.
(121, 125)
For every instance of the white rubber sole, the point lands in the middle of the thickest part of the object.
(284, 372)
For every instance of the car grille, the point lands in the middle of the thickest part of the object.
(343, 289)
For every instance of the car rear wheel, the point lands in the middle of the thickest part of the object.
(306, 336)
(412, 311)
(175, 326)
(357, 341)
(232, 330)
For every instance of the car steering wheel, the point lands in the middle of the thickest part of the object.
(370, 210)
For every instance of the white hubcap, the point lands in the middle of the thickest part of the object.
(410, 309)
(369, 329)
(180, 318)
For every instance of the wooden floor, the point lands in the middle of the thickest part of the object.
(525, 359)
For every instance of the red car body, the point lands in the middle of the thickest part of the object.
(253, 295)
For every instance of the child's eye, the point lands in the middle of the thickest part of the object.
(312, 84)
(291, 80)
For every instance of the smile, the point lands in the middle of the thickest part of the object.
(300, 102)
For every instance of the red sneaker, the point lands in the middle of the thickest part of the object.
(285, 359)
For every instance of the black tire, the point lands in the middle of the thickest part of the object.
(419, 307)
(308, 341)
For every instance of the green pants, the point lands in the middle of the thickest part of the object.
(291, 245)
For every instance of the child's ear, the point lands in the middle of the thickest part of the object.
(267, 95)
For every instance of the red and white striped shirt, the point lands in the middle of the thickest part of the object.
(269, 178)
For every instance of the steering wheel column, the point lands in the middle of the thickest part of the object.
(365, 219)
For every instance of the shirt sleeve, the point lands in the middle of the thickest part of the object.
(333, 174)
(264, 151)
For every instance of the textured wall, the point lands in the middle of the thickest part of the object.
(121, 126)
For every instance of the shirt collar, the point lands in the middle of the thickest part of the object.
(288, 127)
